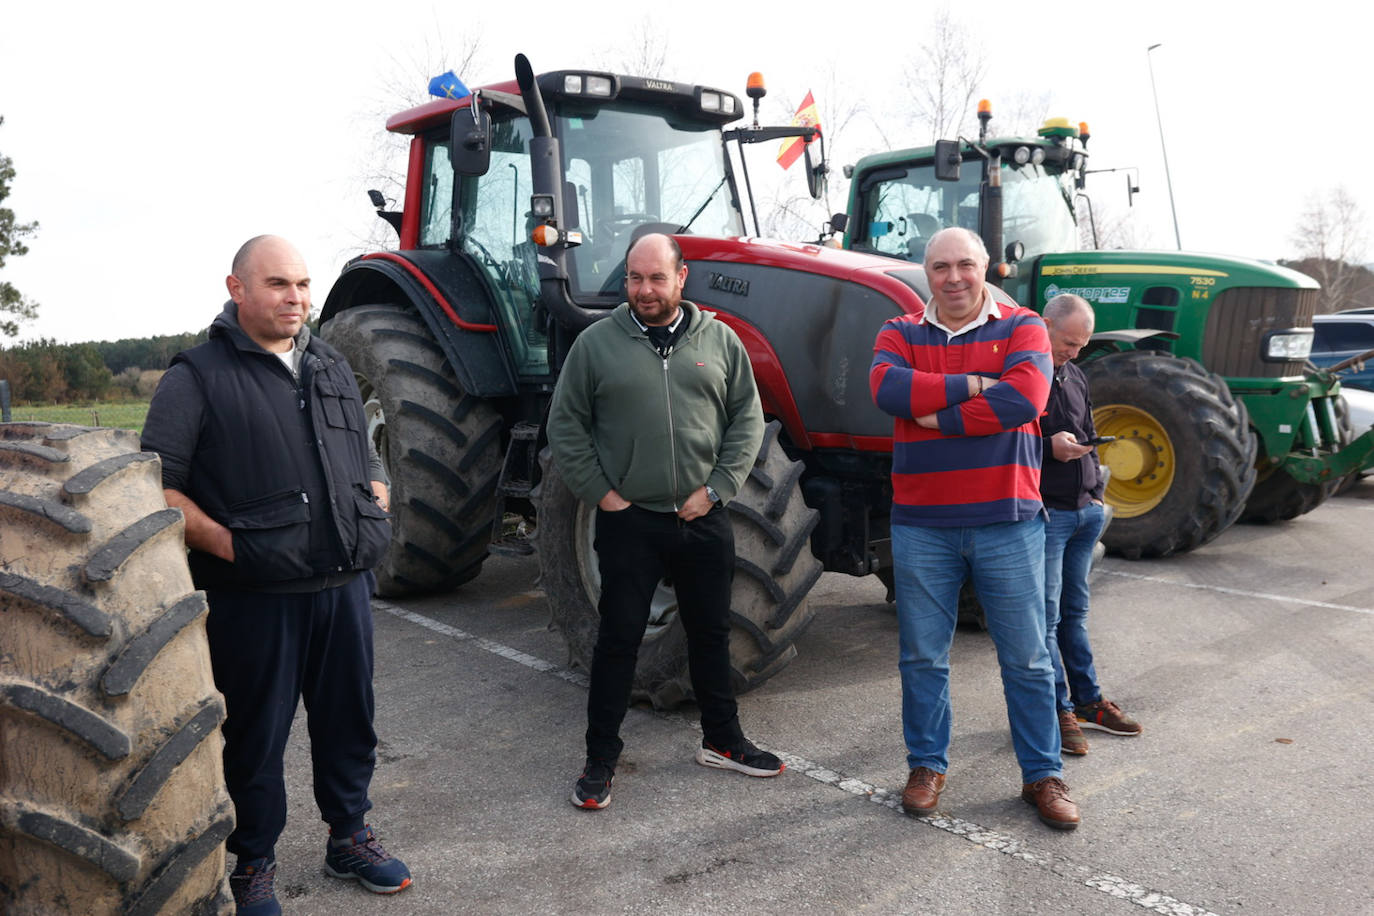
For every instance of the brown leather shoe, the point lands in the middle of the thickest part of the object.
(1071, 737)
(1051, 799)
(922, 792)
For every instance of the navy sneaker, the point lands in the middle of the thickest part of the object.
(251, 883)
(360, 856)
(742, 758)
(593, 789)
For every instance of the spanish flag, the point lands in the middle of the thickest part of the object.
(806, 116)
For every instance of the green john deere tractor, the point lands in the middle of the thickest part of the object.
(1198, 366)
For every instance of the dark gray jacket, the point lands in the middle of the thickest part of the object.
(283, 463)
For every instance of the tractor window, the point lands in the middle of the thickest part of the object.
(1037, 210)
(632, 166)
(436, 198)
(900, 215)
(496, 234)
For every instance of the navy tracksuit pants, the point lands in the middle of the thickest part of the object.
(268, 651)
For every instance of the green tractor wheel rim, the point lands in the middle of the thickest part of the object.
(1141, 459)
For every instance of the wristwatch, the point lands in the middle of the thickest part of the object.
(711, 494)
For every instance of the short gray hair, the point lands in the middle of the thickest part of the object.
(1065, 306)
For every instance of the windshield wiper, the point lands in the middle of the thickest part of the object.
(704, 204)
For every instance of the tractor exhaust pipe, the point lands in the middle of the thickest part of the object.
(546, 177)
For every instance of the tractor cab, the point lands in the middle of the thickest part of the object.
(1015, 192)
(554, 177)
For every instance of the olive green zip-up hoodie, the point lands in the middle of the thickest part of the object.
(655, 429)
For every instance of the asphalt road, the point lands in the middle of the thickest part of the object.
(1249, 662)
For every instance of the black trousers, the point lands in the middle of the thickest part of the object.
(635, 549)
(268, 651)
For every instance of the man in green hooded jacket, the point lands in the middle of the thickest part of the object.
(656, 422)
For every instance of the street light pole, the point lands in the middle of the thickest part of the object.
(1160, 121)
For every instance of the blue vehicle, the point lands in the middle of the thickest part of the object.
(1340, 336)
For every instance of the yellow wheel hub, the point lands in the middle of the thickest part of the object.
(1141, 459)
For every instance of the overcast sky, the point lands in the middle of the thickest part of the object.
(151, 139)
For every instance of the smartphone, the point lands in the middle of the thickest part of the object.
(1099, 440)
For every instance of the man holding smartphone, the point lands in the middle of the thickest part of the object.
(1072, 485)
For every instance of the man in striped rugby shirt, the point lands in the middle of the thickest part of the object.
(967, 381)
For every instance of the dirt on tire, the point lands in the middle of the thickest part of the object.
(441, 447)
(112, 796)
(774, 572)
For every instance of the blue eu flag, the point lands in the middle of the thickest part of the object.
(448, 86)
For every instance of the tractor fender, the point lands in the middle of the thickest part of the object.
(451, 298)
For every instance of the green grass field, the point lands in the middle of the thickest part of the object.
(124, 414)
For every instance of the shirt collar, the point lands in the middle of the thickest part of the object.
(681, 312)
(989, 310)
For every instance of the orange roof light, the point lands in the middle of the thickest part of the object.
(984, 106)
(754, 87)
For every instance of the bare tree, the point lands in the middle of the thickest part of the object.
(1022, 115)
(1105, 226)
(945, 77)
(1331, 237)
(786, 210)
(646, 54)
(405, 84)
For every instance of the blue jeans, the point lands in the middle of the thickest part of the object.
(1069, 540)
(1007, 567)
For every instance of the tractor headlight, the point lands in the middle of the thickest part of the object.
(710, 101)
(1288, 344)
(541, 206)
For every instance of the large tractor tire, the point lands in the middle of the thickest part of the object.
(440, 445)
(1183, 462)
(774, 572)
(112, 792)
(1278, 497)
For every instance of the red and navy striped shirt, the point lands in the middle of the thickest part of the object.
(983, 463)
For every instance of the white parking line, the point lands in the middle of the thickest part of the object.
(1284, 599)
(1111, 885)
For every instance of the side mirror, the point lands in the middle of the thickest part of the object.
(947, 160)
(839, 221)
(815, 171)
(470, 141)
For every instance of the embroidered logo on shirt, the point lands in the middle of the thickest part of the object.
(994, 348)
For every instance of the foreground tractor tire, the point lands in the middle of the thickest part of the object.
(1183, 464)
(441, 447)
(112, 798)
(774, 572)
